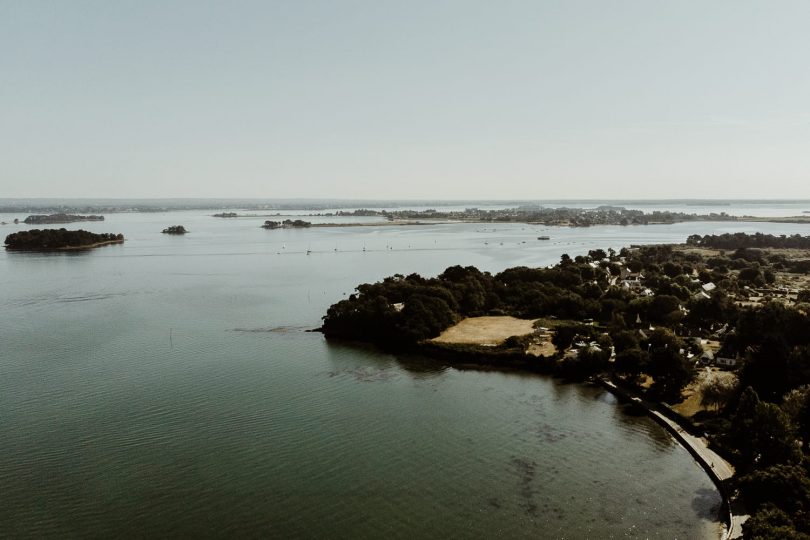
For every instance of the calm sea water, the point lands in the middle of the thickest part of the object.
(166, 387)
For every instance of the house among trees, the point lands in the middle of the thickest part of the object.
(725, 362)
(633, 280)
(707, 358)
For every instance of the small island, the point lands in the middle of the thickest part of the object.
(175, 229)
(286, 224)
(59, 239)
(226, 215)
(42, 219)
(710, 337)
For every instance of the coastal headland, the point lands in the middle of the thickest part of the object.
(714, 333)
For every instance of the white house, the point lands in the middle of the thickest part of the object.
(725, 362)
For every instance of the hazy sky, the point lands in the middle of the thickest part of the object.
(406, 99)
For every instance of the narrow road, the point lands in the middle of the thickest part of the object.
(718, 469)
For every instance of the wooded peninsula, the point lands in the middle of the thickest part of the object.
(59, 239)
(716, 330)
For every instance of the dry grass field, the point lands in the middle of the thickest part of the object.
(487, 331)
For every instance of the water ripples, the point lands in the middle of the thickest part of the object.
(168, 389)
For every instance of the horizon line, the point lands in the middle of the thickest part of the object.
(395, 199)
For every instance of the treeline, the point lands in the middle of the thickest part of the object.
(743, 240)
(584, 287)
(599, 287)
(58, 239)
(40, 219)
(579, 288)
(407, 309)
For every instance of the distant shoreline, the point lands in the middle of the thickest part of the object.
(734, 219)
(121, 205)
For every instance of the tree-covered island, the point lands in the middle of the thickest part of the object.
(717, 328)
(175, 229)
(59, 239)
(42, 219)
(287, 224)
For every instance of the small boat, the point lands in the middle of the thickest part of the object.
(544, 238)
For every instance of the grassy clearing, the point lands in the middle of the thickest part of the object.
(487, 331)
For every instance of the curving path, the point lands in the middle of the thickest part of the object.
(718, 469)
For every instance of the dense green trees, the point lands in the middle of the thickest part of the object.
(286, 224)
(761, 434)
(786, 486)
(703, 313)
(631, 362)
(779, 499)
(42, 219)
(771, 523)
(665, 309)
(587, 360)
(58, 239)
(564, 335)
(743, 240)
(667, 364)
(423, 317)
(776, 487)
(395, 312)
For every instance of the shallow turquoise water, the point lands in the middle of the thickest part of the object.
(166, 387)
